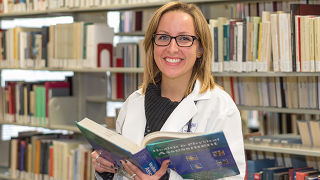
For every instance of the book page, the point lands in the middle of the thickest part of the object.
(109, 135)
(162, 135)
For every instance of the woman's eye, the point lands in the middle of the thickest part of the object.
(163, 37)
(185, 38)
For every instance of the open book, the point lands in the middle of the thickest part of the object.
(194, 156)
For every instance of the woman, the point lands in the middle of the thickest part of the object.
(178, 93)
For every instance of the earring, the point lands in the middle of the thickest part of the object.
(199, 54)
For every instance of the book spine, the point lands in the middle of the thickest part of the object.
(146, 162)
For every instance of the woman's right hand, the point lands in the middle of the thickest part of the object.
(102, 165)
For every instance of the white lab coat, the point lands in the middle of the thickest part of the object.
(214, 111)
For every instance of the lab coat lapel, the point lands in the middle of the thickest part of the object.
(181, 115)
(135, 123)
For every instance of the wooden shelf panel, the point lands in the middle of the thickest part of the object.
(280, 110)
(290, 149)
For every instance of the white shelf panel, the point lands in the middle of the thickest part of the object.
(112, 70)
(265, 74)
(22, 124)
(290, 149)
(64, 127)
(130, 33)
(280, 110)
(4, 174)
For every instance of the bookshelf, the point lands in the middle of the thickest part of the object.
(87, 101)
(289, 149)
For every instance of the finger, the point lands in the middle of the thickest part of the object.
(94, 154)
(100, 168)
(105, 162)
(126, 167)
(163, 169)
(135, 170)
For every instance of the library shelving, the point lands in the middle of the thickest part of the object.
(90, 85)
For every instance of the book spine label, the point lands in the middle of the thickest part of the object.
(146, 162)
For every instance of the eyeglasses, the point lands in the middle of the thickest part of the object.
(181, 40)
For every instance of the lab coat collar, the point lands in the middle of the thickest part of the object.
(186, 109)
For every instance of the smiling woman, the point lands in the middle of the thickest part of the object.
(178, 93)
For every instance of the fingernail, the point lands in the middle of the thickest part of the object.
(112, 166)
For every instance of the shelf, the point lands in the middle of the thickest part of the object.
(22, 124)
(139, 33)
(290, 149)
(4, 174)
(280, 110)
(65, 127)
(83, 70)
(264, 74)
(112, 7)
(97, 99)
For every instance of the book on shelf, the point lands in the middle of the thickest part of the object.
(191, 155)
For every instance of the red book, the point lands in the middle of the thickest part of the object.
(85, 165)
(232, 89)
(291, 171)
(105, 62)
(299, 42)
(11, 97)
(52, 89)
(257, 176)
(120, 79)
(51, 161)
(300, 175)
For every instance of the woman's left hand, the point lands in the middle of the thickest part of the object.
(136, 174)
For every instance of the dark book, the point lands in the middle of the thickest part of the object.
(268, 172)
(45, 41)
(280, 176)
(254, 166)
(138, 20)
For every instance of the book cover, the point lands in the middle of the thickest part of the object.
(194, 156)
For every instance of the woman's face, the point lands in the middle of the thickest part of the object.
(173, 61)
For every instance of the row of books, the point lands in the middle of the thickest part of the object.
(123, 84)
(274, 42)
(73, 45)
(282, 159)
(50, 156)
(12, 6)
(247, 8)
(266, 169)
(28, 102)
(271, 123)
(135, 21)
(281, 92)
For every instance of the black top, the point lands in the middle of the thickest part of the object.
(157, 108)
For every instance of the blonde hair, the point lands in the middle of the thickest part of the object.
(202, 66)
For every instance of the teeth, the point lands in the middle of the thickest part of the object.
(172, 60)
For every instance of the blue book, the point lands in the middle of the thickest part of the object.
(254, 166)
(193, 156)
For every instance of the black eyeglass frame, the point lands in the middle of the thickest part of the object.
(173, 37)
